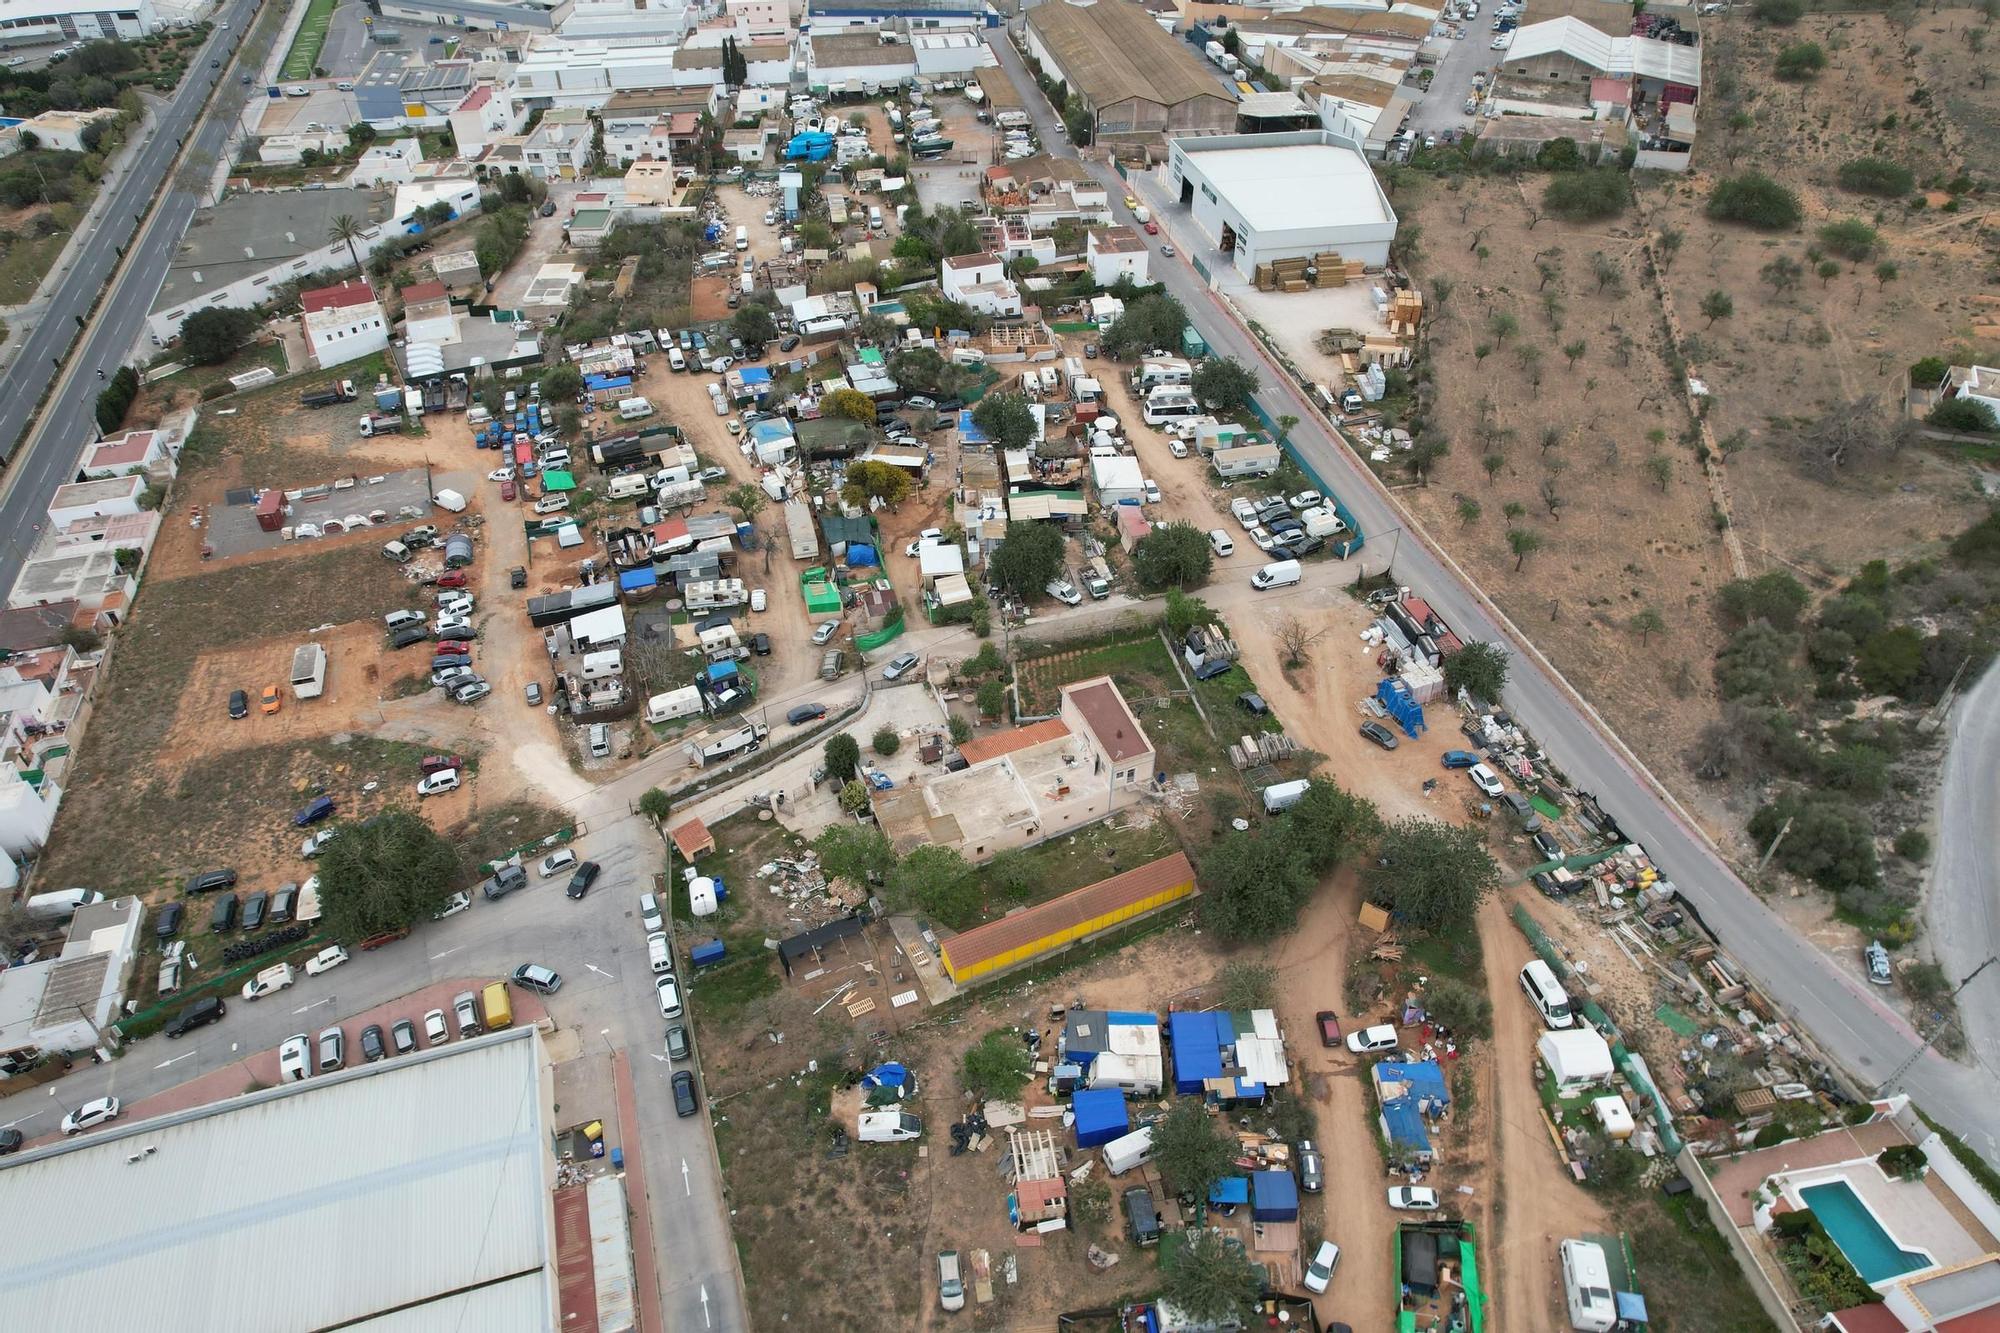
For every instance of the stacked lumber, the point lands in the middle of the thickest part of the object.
(1406, 312)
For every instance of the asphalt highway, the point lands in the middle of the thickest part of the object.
(42, 460)
(1834, 1004)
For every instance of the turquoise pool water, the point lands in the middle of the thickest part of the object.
(1872, 1251)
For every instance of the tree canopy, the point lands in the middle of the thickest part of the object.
(754, 325)
(1755, 199)
(1253, 886)
(996, 1067)
(1776, 597)
(1830, 842)
(210, 337)
(1329, 824)
(1149, 323)
(384, 873)
(1432, 874)
(1006, 419)
(857, 853)
(1191, 1149)
(939, 881)
(561, 384)
(1173, 554)
(852, 404)
(868, 479)
(1030, 555)
(1210, 1277)
(843, 756)
(1479, 667)
(1587, 196)
(1224, 383)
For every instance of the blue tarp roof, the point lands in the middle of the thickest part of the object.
(631, 579)
(1631, 1306)
(607, 382)
(1230, 1189)
(1402, 1115)
(766, 432)
(891, 1075)
(968, 432)
(754, 375)
(1276, 1195)
(1197, 1051)
(719, 670)
(1100, 1116)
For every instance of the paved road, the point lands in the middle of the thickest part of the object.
(1963, 906)
(1443, 106)
(37, 466)
(1842, 1012)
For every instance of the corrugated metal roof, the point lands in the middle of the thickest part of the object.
(994, 938)
(384, 1187)
(1113, 51)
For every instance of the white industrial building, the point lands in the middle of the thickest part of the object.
(428, 1179)
(1263, 197)
(61, 20)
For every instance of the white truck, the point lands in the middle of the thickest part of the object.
(274, 978)
(728, 745)
(413, 400)
(381, 423)
(309, 671)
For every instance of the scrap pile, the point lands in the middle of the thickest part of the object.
(1325, 269)
(811, 899)
(970, 1135)
(1262, 1152)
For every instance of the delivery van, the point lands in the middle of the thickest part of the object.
(1277, 574)
(1551, 1001)
(742, 238)
(1282, 796)
(659, 954)
(675, 359)
(493, 1003)
(60, 905)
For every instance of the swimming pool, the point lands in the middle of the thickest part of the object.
(1872, 1251)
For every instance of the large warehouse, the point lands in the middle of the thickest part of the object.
(1262, 197)
(1137, 80)
(414, 1193)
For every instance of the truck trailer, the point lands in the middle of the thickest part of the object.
(340, 391)
(309, 671)
(381, 423)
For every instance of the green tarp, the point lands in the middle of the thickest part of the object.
(558, 480)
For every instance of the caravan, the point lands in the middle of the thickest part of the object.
(1586, 1279)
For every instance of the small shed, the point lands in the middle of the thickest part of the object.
(1100, 1116)
(1577, 1057)
(693, 840)
(271, 510)
(1132, 526)
(1274, 1196)
(1613, 1115)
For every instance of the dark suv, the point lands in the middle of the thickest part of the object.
(199, 1014)
(504, 881)
(1142, 1219)
(208, 881)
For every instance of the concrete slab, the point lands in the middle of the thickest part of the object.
(233, 531)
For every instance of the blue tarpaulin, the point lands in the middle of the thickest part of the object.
(631, 580)
(891, 1075)
(1230, 1189)
(1197, 1050)
(862, 555)
(606, 383)
(969, 433)
(1275, 1195)
(1407, 1091)
(754, 376)
(1631, 1307)
(1100, 1116)
(717, 672)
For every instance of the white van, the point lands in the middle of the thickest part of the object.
(396, 620)
(874, 217)
(597, 666)
(1282, 796)
(552, 504)
(1586, 1280)
(742, 238)
(675, 359)
(1551, 1001)
(657, 952)
(627, 486)
(631, 409)
(1277, 574)
(61, 904)
(888, 1127)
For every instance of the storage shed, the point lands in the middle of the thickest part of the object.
(1274, 1196)
(1100, 1116)
(1578, 1057)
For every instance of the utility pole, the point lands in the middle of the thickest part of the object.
(1772, 851)
(1938, 1030)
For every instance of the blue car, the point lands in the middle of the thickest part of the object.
(320, 809)
(1460, 759)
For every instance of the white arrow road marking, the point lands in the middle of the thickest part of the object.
(687, 1182)
(446, 954)
(174, 1060)
(705, 1320)
(314, 1005)
(600, 971)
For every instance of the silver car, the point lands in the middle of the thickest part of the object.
(899, 668)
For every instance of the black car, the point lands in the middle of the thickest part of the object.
(239, 704)
(684, 1099)
(950, 404)
(677, 1042)
(517, 577)
(1252, 702)
(372, 1045)
(208, 881)
(1142, 1218)
(1294, 548)
(169, 923)
(11, 1141)
(197, 1015)
(403, 1033)
(254, 908)
(222, 916)
(1380, 734)
(585, 876)
(1213, 667)
(408, 636)
(717, 620)
(760, 644)
(1546, 845)
(803, 713)
(788, 342)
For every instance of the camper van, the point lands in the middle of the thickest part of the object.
(1551, 1001)
(631, 409)
(1282, 796)
(1586, 1279)
(683, 702)
(627, 486)
(602, 665)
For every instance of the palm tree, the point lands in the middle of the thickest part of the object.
(345, 231)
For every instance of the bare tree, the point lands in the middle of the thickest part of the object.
(1297, 639)
(1851, 435)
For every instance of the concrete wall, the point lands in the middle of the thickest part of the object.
(1766, 1285)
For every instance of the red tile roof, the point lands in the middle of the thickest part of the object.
(983, 748)
(692, 839)
(423, 291)
(332, 298)
(1009, 933)
(1874, 1318)
(477, 98)
(1116, 730)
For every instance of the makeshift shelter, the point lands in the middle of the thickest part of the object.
(1274, 1196)
(807, 944)
(1577, 1057)
(598, 629)
(1100, 1116)
(635, 585)
(1411, 1095)
(1230, 1189)
(558, 480)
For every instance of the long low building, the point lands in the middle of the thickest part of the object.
(1025, 937)
(1136, 79)
(1264, 197)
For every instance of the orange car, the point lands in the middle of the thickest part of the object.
(271, 701)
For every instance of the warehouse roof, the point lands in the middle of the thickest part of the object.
(1623, 57)
(1067, 912)
(1284, 182)
(248, 234)
(378, 1165)
(1112, 51)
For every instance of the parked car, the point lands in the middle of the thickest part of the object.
(951, 1284)
(650, 919)
(332, 1050)
(503, 882)
(208, 1009)
(800, 714)
(437, 763)
(436, 784)
(1152, 491)
(585, 876)
(320, 808)
(826, 631)
(325, 960)
(436, 1031)
(535, 977)
(1877, 959)
(677, 1042)
(1320, 1271)
(270, 701)
(1522, 809)
(91, 1114)
(1421, 1198)
(556, 862)
(239, 704)
(1220, 542)
(1372, 1040)
(1485, 779)
(669, 992)
(1213, 667)
(924, 538)
(1459, 759)
(685, 1101)
(1142, 1218)
(1550, 849)
(295, 1059)
(900, 667)
(458, 902)
(470, 691)
(403, 1036)
(1312, 1170)
(1253, 703)
(1380, 734)
(465, 1012)
(168, 923)
(1329, 1027)
(1064, 591)
(315, 843)
(373, 1048)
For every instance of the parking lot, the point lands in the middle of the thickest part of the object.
(330, 509)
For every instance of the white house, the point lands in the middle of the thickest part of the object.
(559, 149)
(1974, 384)
(108, 497)
(980, 282)
(427, 314)
(63, 130)
(392, 162)
(762, 20)
(343, 323)
(484, 116)
(1114, 253)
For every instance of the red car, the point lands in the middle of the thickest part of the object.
(1152, 229)
(1329, 1027)
(436, 763)
(452, 648)
(507, 491)
(452, 579)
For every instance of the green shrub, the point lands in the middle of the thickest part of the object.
(1755, 200)
(1850, 238)
(1876, 176)
(1800, 61)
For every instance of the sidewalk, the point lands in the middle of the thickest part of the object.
(637, 1204)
